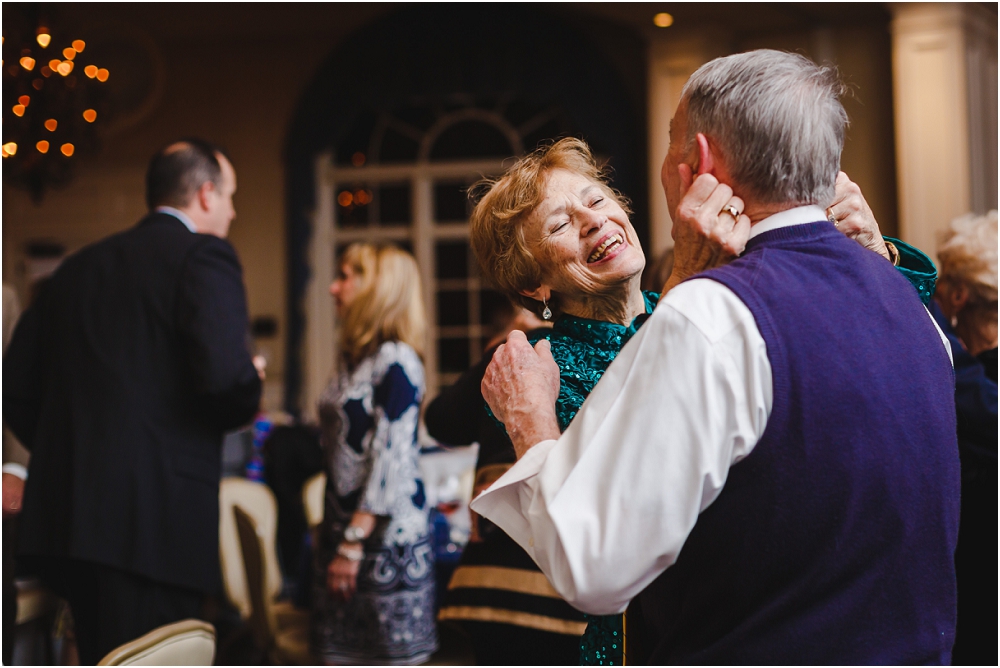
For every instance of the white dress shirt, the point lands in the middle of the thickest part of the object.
(606, 509)
(16, 469)
(179, 215)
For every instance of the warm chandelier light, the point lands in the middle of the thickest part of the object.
(52, 98)
(663, 20)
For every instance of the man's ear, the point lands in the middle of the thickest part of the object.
(707, 160)
(204, 194)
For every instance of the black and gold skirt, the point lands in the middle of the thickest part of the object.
(496, 582)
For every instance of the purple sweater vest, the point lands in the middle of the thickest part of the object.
(833, 541)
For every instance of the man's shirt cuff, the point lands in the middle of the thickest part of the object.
(501, 501)
(14, 468)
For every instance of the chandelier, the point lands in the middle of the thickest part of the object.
(53, 97)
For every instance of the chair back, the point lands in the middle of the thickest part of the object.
(190, 642)
(257, 500)
(313, 497)
(262, 621)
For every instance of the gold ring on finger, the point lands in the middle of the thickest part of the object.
(731, 210)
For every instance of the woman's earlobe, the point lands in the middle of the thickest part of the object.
(960, 296)
(541, 293)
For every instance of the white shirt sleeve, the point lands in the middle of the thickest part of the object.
(14, 468)
(606, 509)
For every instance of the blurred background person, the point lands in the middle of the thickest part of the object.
(497, 595)
(15, 457)
(121, 378)
(967, 285)
(15, 470)
(374, 590)
(965, 306)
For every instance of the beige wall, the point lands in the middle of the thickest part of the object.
(945, 66)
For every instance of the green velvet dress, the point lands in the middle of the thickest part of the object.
(584, 349)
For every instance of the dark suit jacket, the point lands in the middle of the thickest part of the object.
(121, 379)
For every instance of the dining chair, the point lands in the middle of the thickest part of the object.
(284, 638)
(189, 642)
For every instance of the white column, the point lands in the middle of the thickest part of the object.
(319, 344)
(944, 84)
(673, 58)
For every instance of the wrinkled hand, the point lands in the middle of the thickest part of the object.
(13, 493)
(854, 217)
(342, 577)
(521, 386)
(703, 237)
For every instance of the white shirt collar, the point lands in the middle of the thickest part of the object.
(800, 215)
(181, 216)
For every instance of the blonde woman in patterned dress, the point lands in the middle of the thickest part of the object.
(374, 590)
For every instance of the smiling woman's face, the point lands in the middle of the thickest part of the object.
(581, 238)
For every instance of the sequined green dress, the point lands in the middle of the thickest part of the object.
(584, 349)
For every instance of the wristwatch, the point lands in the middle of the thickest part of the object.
(353, 534)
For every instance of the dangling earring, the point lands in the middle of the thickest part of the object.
(546, 312)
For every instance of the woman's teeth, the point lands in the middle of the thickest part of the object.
(605, 248)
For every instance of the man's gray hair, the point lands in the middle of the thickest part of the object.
(777, 120)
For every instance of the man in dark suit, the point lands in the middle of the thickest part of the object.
(121, 379)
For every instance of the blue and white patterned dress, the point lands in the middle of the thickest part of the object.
(369, 421)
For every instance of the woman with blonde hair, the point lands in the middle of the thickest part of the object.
(374, 591)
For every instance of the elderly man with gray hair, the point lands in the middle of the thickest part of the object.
(769, 468)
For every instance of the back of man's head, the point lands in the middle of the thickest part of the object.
(778, 120)
(178, 170)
